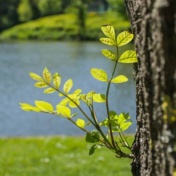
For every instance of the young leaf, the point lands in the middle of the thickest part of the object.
(107, 41)
(109, 31)
(94, 147)
(93, 136)
(80, 123)
(108, 54)
(123, 38)
(128, 56)
(35, 76)
(73, 105)
(77, 91)
(46, 75)
(99, 74)
(125, 126)
(28, 107)
(40, 84)
(44, 106)
(120, 79)
(49, 90)
(99, 98)
(64, 111)
(68, 85)
(63, 102)
(56, 80)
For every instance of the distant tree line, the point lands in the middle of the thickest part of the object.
(13, 12)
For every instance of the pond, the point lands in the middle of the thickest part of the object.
(71, 60)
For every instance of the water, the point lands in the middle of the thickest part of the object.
(71, 60)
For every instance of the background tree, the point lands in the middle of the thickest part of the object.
(8, 13)
(154, 25)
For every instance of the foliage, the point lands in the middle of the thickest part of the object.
(8, 13)
(62, 27)
(70, 99)
(49, 156)
(24, 11)
(118, 7)
(50, 7)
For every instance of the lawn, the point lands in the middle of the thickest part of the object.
(57, 156)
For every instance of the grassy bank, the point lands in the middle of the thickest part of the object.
(63, 27)
(57, 156)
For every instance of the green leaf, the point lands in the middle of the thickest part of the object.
(44, 106)
(40, 84)
(35, 76)
(120, 79)
(68, 85)
(99, 74)
(80, 123)
(77, 91)
(28, 107)
(109, 31)
(92, 149)
(49, 90)
(64, 102)
(124, 37)
(56, 80)
(125, 126)
(93, 137)
(128, 56)
(107, 41)
(64, 111)
(46, 75)
(108, 54)
(73, 105)
(99, 98)
(123, 117)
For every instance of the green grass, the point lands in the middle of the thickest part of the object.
(57, 156)
(63, 27)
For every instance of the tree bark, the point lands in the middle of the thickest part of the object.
(153, 23)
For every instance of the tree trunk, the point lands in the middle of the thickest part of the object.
(154, 26)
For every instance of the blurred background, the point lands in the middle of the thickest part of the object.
(63, 36)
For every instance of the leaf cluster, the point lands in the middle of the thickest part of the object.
(74, 98)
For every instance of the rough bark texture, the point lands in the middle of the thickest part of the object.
(154, 25)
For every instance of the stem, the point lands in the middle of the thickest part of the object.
(82, 111)
(107, 143)
(107, 100)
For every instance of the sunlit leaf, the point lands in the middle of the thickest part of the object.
(28, 107)
(46, 75)
(99, 98)
(93, 137)
(109, 31)
(124, 37)
(80, 123)
(49, 90)
(107, 41)
(128, 56)
(64, 111)
(120, 79)
(122, 118)
(68, 85)
(64, 102)
(56, 80)
(108, 54)
(99, 74)
(73, 105)
(40, 84)
(35, 76)
(77, 91)
(44, 106)
(125, 126)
